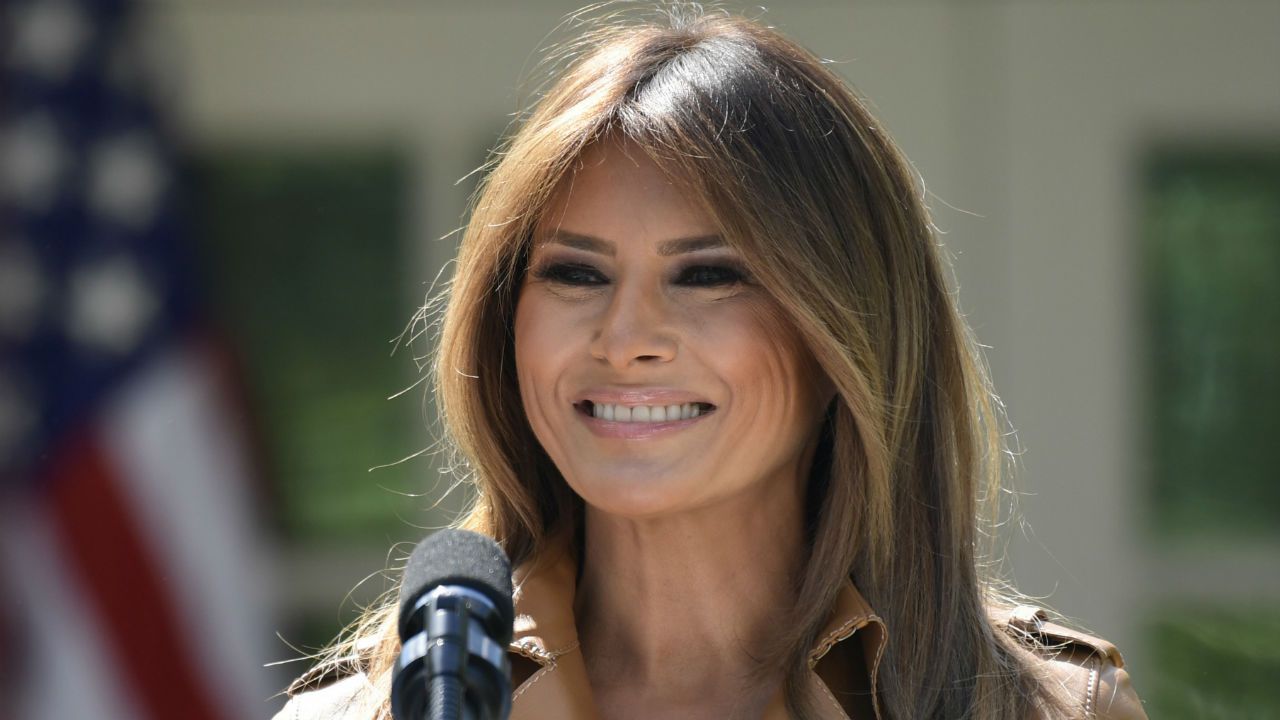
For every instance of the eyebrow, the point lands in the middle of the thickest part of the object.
(675, 246)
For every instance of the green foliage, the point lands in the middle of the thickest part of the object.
(1214, 663)
(303, 252)
(1211, 260)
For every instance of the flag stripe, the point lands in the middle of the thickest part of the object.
(122, 584)
(63, 667)
(182, 466)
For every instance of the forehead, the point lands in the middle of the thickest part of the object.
(618, 193)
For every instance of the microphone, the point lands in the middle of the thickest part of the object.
(456, 620)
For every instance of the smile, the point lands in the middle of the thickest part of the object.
(639, 422)
(617, 412)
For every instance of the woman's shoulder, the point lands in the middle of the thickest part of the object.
(1088, 669)
(351, 697)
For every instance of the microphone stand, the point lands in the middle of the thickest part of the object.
(449, 667)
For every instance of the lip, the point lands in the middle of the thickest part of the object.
(641, 396)
(635, 430)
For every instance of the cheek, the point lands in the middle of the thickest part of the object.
(536, 353)
(761, 356)
(539, 331)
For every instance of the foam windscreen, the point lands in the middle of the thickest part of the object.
(459, 558)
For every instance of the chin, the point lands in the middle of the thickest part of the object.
(636, 499)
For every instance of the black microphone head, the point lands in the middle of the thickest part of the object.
(459, 557)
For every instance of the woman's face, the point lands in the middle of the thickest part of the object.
(658, 377)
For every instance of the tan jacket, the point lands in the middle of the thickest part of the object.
(551, 682)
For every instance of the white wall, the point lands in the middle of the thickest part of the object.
(1028, 117)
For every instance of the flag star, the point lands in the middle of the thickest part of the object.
(23, 289)
(48, 38)
(126, 179)
(110, 305)
(18, 419)
(34, 161)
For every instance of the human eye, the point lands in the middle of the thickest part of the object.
(711, 276)
(565, 273)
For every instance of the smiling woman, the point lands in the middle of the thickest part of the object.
(657, 311)
(702, 359)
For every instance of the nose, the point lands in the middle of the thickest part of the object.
(634, 328)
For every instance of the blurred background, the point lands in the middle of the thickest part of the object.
(220, 217)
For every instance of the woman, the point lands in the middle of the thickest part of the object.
(721, 411)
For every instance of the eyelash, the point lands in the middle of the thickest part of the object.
(571, 274)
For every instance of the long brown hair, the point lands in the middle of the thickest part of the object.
(809, 188)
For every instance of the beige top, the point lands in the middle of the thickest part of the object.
(551, 679)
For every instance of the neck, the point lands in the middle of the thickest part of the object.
(681, 606)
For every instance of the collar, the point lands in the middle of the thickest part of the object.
(843, 677)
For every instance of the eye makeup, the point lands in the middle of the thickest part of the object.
(693, 275)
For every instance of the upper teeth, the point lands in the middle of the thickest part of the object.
(645, 413)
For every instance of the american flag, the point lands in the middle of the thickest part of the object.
(131, 577)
